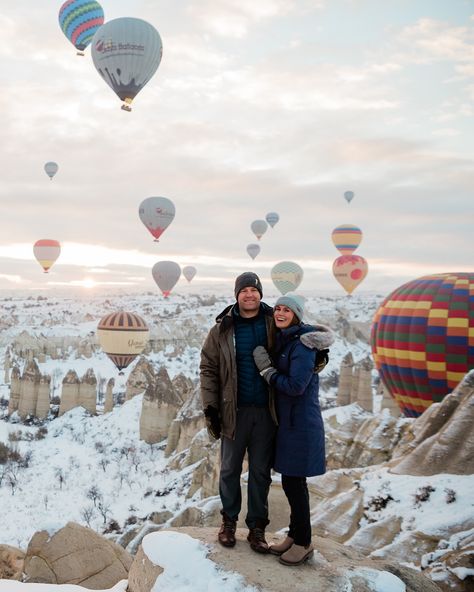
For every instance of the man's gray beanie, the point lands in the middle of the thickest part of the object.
(248, 279)
(294, 303)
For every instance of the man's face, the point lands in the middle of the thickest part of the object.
(249, 302)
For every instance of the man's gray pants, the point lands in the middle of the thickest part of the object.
(254, 433)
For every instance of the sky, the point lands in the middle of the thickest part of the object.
(275, 105)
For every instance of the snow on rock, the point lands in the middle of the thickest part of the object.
(12, 586)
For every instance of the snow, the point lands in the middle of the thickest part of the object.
(380, 581)
(12, 586)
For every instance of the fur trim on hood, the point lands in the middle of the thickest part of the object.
(321, 338)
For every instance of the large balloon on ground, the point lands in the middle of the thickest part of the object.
(350, 271)
(253, 250)
(286, 276)
(126, 52)
(348, 196)
(189, 272)
(272, 218)
(123, 336)
(346, 238)
(79, 20)
(46, 251)
(166, 274)
(423, 339)
(157, 213)
(51, 168)
(259, 228)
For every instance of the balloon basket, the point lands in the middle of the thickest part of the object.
(126, 108)
(121, 373)
(80, 53)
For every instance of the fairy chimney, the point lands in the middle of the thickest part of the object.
(109, 396)
(42, 403)
(88, 392)
(29, 389)
(141, 377)
(345, 381)
(69, 393)
(388, 402)
(15, 388)
(364, 387)
(6, 367)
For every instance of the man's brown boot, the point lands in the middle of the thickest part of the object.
(282, 547)
(297, 554)
(256, 538)
(226, 536)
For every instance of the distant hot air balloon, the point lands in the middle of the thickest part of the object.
(46, 251)
(51, 169)
(349, 271)
(253, 250)
(123, 336)
(349, 196)
(166, 274)
(272, 218)
(259, 227)
(79, 20)
(346, 238)
(126, 52)
(286, 276)
(189, 272)
(423, 339)
(156, 213)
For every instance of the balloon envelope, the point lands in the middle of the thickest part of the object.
(350, 271)
(189, 272)
(51, 169)
(166, 274)
(126, 52)
(286, 276)
(157, 213)
(123, 336)
(272, 218)
(79, 20)
(423, 339)
(253, 250)
(46, 251)
(259, 227)
(349, 196)
(346, 238)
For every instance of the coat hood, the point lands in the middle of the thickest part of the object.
(318, 337)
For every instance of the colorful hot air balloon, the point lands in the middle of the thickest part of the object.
(157, 213)
(79, 20)
(346, 238)
(127, 52)
(286, 276)
(166, 274)
(272, 218)
(259, 228)
(46, 251)
(253, 250)
(123, 336)
(349, 196)
(349, 271)
(423, 339)
(189, 272)
(51, 168)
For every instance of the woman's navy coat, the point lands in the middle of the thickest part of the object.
(300, 448)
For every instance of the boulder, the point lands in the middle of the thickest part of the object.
(11, 563)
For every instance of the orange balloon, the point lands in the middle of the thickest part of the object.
(350, 271)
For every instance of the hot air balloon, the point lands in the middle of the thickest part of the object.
(286, 276)
(259, 227)
(349, 271)
(79, 20)
(51, 169)
(166, 274)
(253, 250)
(423, 339)
(157, 213)
(349, 196)
(189, 272)
(123, 336)
(346, 238)
(46, 251)
(126, 52)
(272, 218)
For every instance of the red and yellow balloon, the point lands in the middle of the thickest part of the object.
(350, 271)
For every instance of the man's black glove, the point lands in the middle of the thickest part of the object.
(263, 362)
(213, 423)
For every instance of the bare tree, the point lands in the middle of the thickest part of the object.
(103, 463)
(87, 513)
(94, 494)
(59, 473)
(104, 510)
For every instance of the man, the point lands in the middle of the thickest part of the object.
(236, 403)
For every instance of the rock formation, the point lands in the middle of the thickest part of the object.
(88, 392)
(11, 563)
(70, 392)
(140, 378)
(109, 396)
(189, 420)
(78, 392)
(355, 382)
(15, 390)
(6, 367)
(345, 381)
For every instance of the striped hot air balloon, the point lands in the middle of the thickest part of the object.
(123, 336)
(423, 339)
(46, 251)
(286, 276)
(346, 238)
(79, 20)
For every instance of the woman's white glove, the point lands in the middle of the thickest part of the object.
(263, 363)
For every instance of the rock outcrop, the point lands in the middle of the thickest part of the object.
(11, 563)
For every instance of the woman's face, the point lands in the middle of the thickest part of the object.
(283, 316)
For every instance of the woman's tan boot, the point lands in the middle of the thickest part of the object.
(297, 554)
(280, 548)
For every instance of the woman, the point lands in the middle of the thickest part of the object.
(300, 438)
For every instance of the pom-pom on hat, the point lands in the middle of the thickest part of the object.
(248, 279)
(294, 302)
